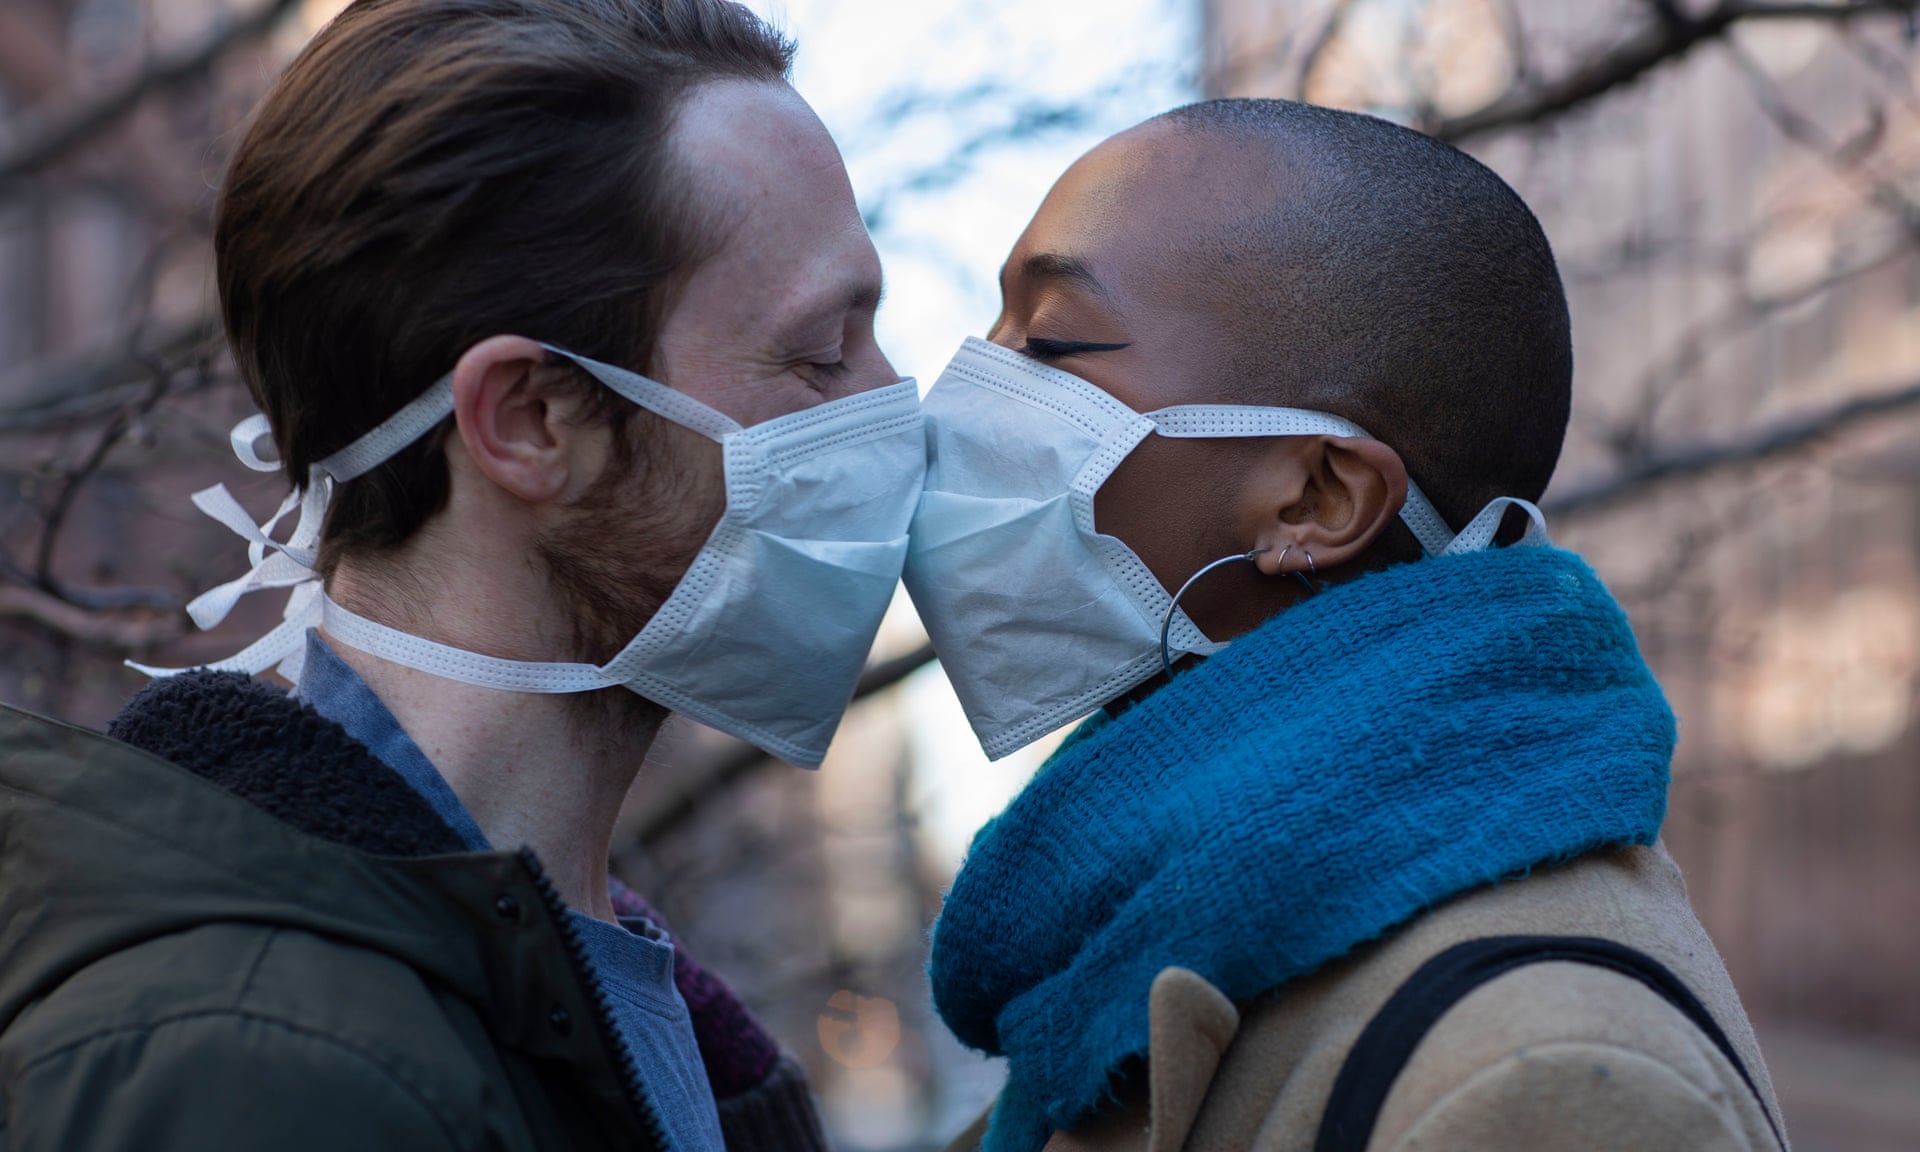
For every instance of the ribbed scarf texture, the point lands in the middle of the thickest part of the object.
(1359, 758)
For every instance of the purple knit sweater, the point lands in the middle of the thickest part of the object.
(738, 1053)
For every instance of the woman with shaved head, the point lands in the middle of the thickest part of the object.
(1360, 848)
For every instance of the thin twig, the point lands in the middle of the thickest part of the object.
(1754, 447)
(1022, 123)
(743, 760)
(1846, 158)
(97, 599)
(1323, 39)
(1661, 41)
(1684, 357)
(55, 517)
(121, 633)
(90, 384)
(47, 136)
(76, 478)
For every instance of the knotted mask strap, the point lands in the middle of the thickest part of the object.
(275, 564)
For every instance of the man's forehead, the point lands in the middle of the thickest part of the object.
(786, 238)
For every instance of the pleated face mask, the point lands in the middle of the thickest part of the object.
(1037, 617)
(765, 635)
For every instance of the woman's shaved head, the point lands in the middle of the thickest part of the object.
(1273, 253)
(1396, 281)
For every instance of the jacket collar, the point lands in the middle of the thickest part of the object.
(226, 800)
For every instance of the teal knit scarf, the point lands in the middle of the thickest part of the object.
(1359, 758)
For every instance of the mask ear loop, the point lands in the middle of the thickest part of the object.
(1166, 621)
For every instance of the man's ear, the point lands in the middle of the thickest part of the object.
(1324, 497)
(514, 424)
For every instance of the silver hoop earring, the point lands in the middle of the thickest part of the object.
(1166, 621)
(1304, 577)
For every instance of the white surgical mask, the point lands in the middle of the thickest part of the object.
(763, 638)
(1037, 617)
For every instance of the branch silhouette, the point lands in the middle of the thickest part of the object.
(50, 134)
(1669, 37)
(1755, 446)
(743, 760)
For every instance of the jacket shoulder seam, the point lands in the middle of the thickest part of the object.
(1629, 994)
(1564, 1048)
(386, 1069)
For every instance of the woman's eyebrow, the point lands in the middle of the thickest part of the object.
(1045, 266)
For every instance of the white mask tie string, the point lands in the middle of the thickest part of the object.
(290, 564)
(797, 573)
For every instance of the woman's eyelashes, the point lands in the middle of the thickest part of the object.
(1041, 349)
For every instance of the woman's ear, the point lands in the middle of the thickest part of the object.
(1315, 503)
(513, 424)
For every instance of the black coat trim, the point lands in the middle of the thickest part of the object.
(280, 755)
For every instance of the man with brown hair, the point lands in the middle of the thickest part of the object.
(454, 239)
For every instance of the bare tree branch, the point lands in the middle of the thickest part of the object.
(1688, 354)
(1027, 121)
(97, 599)
(61, 505)
(1316, 48)
(1845, 157)
(90, 384)
(744, 760)
(1753, 447)
(1891, 66)
(1684, 553)
(118, 632)
(1019, 123)
(53, 133)
(1671, 36)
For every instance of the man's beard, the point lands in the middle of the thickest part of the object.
(623, 547)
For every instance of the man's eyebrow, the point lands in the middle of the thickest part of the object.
(855, 296)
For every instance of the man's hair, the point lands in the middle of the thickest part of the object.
(1396, 281)
(429, 173)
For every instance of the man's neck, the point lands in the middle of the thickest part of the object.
(545, 771)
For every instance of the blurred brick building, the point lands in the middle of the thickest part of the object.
(1728, 262)
(1780, 604)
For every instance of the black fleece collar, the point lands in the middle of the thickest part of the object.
(274, 751)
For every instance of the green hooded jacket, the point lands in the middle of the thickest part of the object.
(247, 952)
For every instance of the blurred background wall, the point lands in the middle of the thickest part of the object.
(1733, 189)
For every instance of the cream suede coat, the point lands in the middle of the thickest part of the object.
(1552, 1057)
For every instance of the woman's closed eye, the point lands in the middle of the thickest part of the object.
(1042, 349)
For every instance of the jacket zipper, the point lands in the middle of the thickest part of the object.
(650, 1124)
